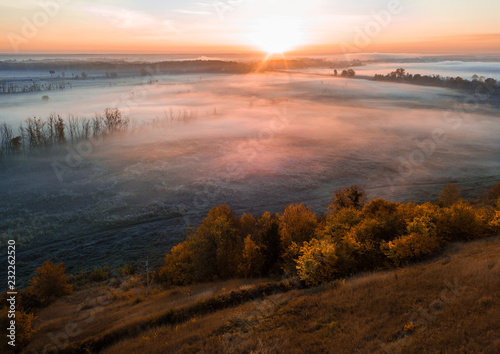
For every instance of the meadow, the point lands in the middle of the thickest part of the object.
(256, 142)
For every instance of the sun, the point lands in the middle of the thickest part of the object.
(277, 35)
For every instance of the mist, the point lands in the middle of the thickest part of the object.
(256, 142)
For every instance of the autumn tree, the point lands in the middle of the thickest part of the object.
(420, 241)
(252, 258)
(317, 262)
(493, 194)
(217, 245)
(50, 282)
(179, 265)
(460, 222)
(338, 224)
(450, 194)
(297, 225)
(268, 235)
(350, 197)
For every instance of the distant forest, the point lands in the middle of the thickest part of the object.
(171, 67)
(478, 84)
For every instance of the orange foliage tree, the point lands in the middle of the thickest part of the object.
(50, 282)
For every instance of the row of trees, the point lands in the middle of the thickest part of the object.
(18, 86)
(400, 75)
(355, 235)
(345, 73)
(35, 133)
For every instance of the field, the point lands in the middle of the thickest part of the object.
(256, 142)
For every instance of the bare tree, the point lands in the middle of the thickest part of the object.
(147, 268)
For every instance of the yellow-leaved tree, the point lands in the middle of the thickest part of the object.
(50, 282)
(317, 262)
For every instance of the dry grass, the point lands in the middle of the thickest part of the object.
(406, 309)
(104, 308)
(449, 304)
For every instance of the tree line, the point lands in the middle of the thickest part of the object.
(37, 133)
(477, 84)
(355, 235)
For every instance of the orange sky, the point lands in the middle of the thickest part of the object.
(77, 26)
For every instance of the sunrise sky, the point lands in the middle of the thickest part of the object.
(148, 26)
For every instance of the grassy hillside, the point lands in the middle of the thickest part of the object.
(448, 304)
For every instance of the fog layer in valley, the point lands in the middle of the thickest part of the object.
(258, 142)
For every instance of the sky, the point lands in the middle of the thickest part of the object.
(210, 26)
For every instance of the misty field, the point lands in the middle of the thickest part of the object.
(256, 142)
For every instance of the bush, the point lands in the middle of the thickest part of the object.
(100, 274)
(178, 267)
(317, 262)
(50, 282)
(460, 222)
(420, 242)
(127, 269)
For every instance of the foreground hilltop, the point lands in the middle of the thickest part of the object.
(449, 303)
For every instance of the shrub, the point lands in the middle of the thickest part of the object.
(420, 242)
(460, 222)
(317, 262)
(100, 274)
(178, 267)
(495, 222)
(126, 269)
(50, 282)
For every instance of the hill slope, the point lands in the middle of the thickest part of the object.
(448, 304)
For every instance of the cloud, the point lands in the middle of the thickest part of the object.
(193, 12)
(140, 22)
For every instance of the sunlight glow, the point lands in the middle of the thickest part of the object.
(277, 34)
